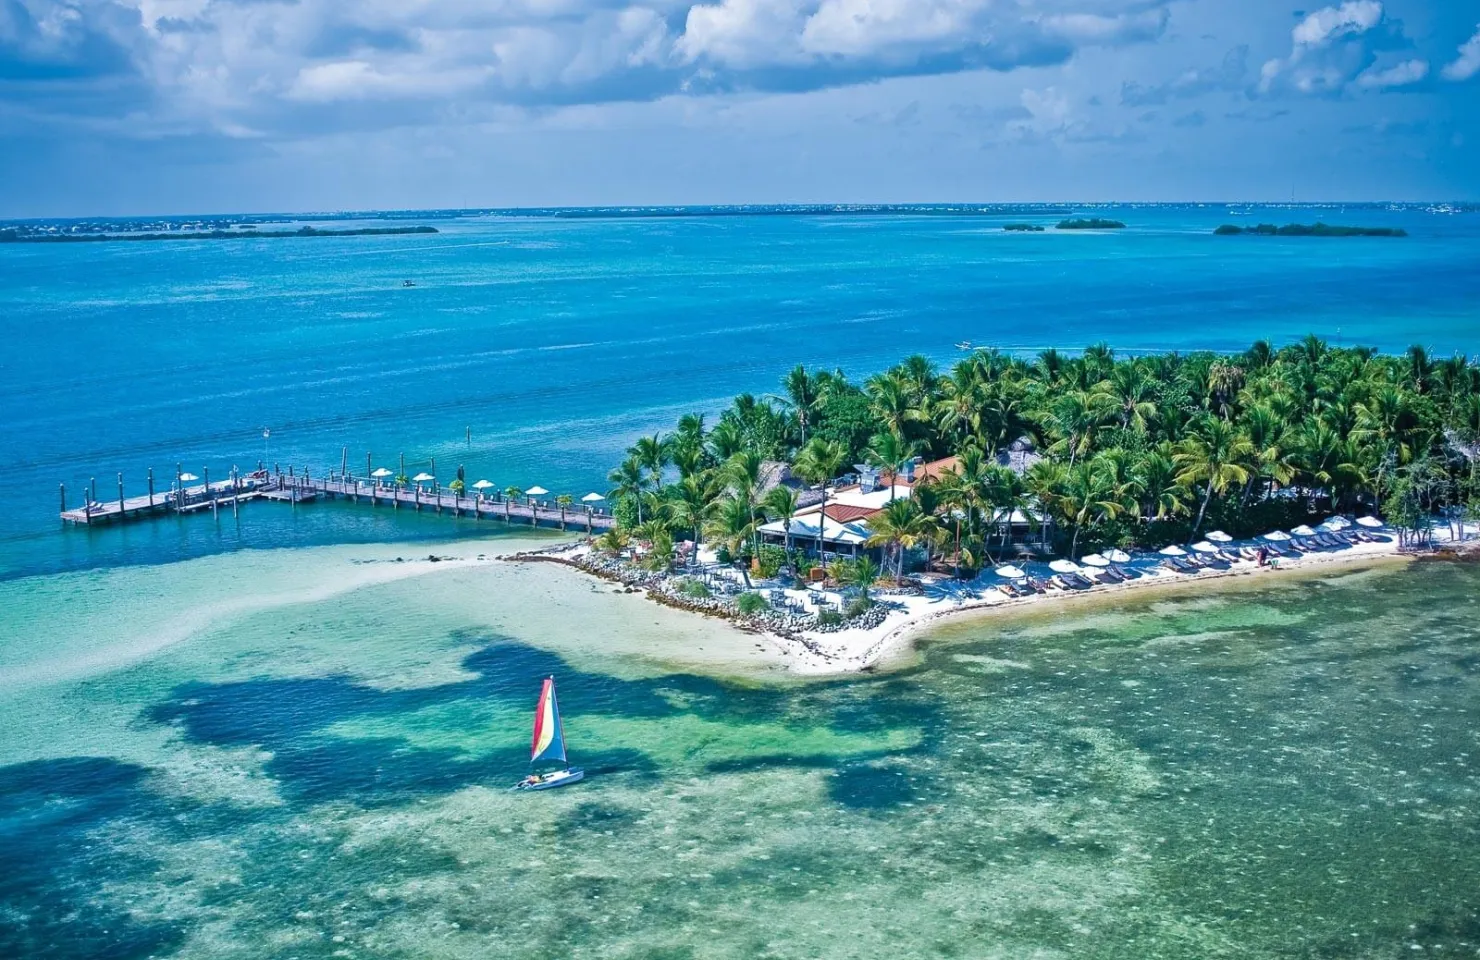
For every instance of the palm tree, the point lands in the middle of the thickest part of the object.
(613, 541)
(742, 474)
(1076, 416)
(781, 503)
(652, 453)
(564, 501)
(733, 524)
(1042, 482)
(1217, 456)
(629, 482)
(692, 502)
(864, 574)
(511, 493)
(890, 452)
(819, 461)
(902, 526)
(1086, 496)
(1161, 494)
(892, 399)
(1134, 393)
(800, 395)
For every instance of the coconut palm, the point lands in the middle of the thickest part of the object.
(890, 452)
(1134, 395)
(563, 501)
(781, 503)
(628, 481)
(1217, 456)
(1086, 495)
(863, 574)
(800, 395)
(819, 461)
(652, 454)
(691, 503)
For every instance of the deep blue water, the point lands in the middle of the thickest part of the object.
(556, 341)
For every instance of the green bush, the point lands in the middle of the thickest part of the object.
(696, 589)
(828, 618)
(749, 603)
(857, 606)
(770, 560)
(723, 554)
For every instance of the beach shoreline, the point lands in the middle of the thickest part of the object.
(853, 650)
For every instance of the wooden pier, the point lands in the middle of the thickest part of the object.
(295, 489)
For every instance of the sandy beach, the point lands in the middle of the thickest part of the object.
(815, 653)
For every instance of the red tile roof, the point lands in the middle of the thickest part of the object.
(846, 513)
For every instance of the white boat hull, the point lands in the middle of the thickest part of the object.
(559, 778)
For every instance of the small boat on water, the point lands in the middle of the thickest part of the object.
(408, 283)
(964, 345)
(549, 745)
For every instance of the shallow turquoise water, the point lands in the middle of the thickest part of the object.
(1289, 771)
(558, 341)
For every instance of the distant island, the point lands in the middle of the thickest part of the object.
(1090, 223)
(1316, 229)
(1023, 227)
(14, 235)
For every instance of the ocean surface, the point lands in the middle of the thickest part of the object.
(533, 349)
(285, 733)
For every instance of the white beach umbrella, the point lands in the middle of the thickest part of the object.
(1369, 521)
(1172, 551)
(1337, 523)
(536, 492)
(1218, 536)
(422, 477)
(1276, 535)
(1094, 560)
(1063, 566)
(1118, 556)
(1010, 572)
(592, 498)
(482, 484)
(380, 473)
(1203, 546)
(187, 477)
(1302, 531)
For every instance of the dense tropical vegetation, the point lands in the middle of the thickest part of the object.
(1131, 451)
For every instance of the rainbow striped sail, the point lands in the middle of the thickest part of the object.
(549, 737)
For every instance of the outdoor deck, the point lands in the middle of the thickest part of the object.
(229, 494)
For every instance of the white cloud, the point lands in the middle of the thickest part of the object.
(1404, 74)
(1333, 50)
(1468, 62)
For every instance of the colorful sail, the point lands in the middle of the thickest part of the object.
(549, 737)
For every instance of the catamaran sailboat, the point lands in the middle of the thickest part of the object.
(549, 745)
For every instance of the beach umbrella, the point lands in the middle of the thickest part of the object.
(1369, 521)
(482, 484)
(1218, 536)
(422, 477)
(380, 473)
(1203, 546)
(1118, 556)
(1094, 560)
(1276, 535)
(1172, 551)
(188, 477)
(1302, 531)
(1063, 566)
(1010, 572)
(592, 498)
(1337, 523)
(536, 492)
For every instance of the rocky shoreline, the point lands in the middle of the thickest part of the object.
(665, 588)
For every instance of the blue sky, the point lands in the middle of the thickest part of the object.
(158, 106)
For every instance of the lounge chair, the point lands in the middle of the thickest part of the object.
(1064, 583)
(1007, 590)
(1124, 573)
(1249, 553)
(1037, 585)
(1109, 576)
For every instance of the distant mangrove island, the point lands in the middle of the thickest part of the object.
(15, 235)
(1023, 227)
(1316, 229)
(1090, 223)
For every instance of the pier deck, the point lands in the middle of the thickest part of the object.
(227, 494)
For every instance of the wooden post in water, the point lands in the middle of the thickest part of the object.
(86, 507)
(120, 495)
(93, 485)
(205, 473)
(236, 490)
(151, 488)
(179, 487)
(64, 496)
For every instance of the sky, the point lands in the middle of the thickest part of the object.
(122, 107)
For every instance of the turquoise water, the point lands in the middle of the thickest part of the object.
(281, 734)
(1283, 772)
(558, 340)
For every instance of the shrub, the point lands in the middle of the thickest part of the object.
(829, 618)
(749, 603)
(858, 606)
(769, 561)
(695, 589)
(723, 555)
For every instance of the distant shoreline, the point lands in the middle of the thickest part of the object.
(15, 236)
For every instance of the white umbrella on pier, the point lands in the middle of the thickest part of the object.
(1218, 536)
(1118, 556)
(1172, 551)
(188, 477)
(1369, 521)
(536, 492)
(1010, 572)
(482, 484)
(592, 498)
(1064, 566)
(422, 477)
(380, 473)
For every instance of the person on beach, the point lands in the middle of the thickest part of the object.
(1263, 556)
